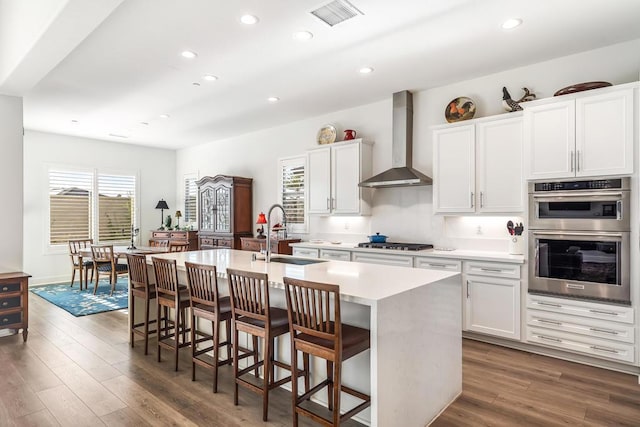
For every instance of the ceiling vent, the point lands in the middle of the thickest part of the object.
(336, 12)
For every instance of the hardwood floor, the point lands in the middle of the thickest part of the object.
(81, 372)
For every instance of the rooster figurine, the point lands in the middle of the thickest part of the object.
(528, 95)
(508, 103)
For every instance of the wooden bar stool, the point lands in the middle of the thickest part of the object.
(313, 332)
(170, 295)
(207, 304)
(252, 314)
(139, 287)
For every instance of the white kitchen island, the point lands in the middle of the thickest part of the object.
(413, 370)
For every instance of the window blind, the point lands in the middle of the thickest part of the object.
(190, 197)
(70, 205)
(116, 202)
(292, 192)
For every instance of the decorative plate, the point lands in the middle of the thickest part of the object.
(458, 109)
(326, 134)
(580, 87)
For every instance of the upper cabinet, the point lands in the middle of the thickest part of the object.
(591, 135)
(478, 167)
(335, 171)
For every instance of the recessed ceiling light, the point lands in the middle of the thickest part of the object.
(195, 84)
(164, 116)
(74, 121)
(249, 19)
(273, 99)
(302, 36)
(210, 77)
(366, 70)
(144, 123)
(188, 54)
(511, 23)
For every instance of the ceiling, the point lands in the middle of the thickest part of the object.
(109, 69)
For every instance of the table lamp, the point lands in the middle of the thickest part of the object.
(261, 220)
(178, 216)
(162, 205)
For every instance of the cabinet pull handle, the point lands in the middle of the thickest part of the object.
(492, 270)
(333, 203)
(481, 199)
(542, 337)
(609, 313)
(467, 289)
(437, 265)
(572, 161)
(551, 322)
(608, 350)
(619, 209)
(472, 199)
(549, 304)
(328, 206)
(578, 161)
(605, 331)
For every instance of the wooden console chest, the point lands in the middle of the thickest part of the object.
(277, 246)
(190, 237)
(14, 302)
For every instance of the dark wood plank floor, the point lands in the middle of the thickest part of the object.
(81, 372)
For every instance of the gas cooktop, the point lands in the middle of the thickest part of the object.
(396, 246)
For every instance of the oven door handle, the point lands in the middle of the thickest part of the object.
(587, 196)
(576, 233)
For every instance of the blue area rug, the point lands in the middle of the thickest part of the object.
(81, 303)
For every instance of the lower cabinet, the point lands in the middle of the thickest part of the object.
(595, 329)
(306, 252)
(335, 255)
(383, 259)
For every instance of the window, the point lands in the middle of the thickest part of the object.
(190, 197)
(292, 192)
(70, 206)
(90, 205)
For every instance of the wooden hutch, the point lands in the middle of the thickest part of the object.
(225, 211)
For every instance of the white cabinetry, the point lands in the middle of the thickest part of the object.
(382, 259)
(334, 173)
(600, 330)
(492, 298)
(305, 252)
(586, 136)
(478, 167)
(335, 255)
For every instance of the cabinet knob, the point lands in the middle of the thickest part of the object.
(5, 320)
(4, 304)
(5, 288)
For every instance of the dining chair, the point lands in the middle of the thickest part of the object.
(160, 243)
(104, 261)
(253, 315)
(207, 305)
(178, 246)
(170, 295)
(317, 331)
(80, 263)
(139, 287)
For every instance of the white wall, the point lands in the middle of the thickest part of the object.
(156, 172)
(11, 188)
(404, 214)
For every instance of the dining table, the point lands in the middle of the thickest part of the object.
(122, 251)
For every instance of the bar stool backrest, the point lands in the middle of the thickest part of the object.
(138, 274)
(249, 293)
(166, 276)
(203, 284)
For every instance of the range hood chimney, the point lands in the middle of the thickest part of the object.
(401, 174)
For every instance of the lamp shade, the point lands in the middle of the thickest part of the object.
(261, 219)
(178, 214)
(162, 205)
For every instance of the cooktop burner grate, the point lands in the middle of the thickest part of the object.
(396, 246)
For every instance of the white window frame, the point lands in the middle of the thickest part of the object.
(282, 162)
(63, 247)
(185, 177)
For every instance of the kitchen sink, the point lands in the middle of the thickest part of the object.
(296, 261)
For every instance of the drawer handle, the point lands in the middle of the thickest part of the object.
(493, 270)
(549, 338)
(609, 313)
(548, 304)
(5, 288)
(608, 350)
(605, 331)
(551, 322)
(437, 265)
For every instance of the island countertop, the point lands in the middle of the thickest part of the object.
(360, 283)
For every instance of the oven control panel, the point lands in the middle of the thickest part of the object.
(598, 184)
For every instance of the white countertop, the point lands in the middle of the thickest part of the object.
(359, 282)
(468, 254)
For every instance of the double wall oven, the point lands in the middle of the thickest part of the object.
(579, 239)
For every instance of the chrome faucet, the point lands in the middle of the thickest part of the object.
(267, 257)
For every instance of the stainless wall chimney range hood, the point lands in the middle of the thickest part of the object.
(401, 174)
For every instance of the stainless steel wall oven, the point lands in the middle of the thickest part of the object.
(579, 239)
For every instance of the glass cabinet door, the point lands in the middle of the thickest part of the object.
(223, 209)
(207, 209)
